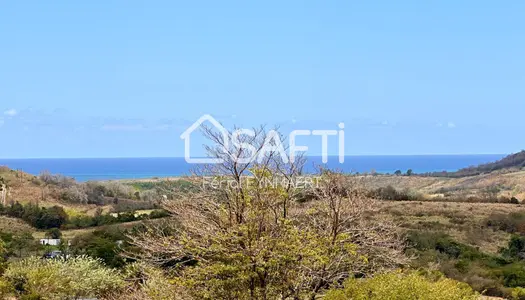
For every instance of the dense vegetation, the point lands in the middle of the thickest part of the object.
(82, 277)
(38, 217)
(261, 241)
(56, 217)
(287, 254)
(479, 244)
(99, 219)
(492, 274)
(104, 244)
(74, 278)
(403, 286)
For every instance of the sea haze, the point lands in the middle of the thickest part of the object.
(84, 169)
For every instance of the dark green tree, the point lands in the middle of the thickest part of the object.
(101, 244)
(54, 233)
(52, 217)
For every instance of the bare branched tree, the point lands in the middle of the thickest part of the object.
(245, 235)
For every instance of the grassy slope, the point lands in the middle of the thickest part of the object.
(465, 222)
(15, 226)
(511, 184)
(25, 188)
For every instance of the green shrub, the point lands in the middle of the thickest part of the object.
(494, 275)
(39, 217)
(518, 293)
(148, 283)
(102, 244)
(403, 286)
(61, 279)
(54, 233)
(514, 275)
(6, 289)
(429, 240)
(515, 248)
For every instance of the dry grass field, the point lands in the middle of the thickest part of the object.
(465, 222)
(14, 226)
(508, 184)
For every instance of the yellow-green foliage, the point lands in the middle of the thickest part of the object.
(73, 212)
(61, 279)
(403, 286)
(268, 266)
(264, 256)
(150, 282)
(6, 289)
(518, 293)
(254, 241)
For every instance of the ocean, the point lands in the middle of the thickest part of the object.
(85, 169)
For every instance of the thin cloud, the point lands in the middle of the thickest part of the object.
(451, 125)
(135, 127)
(122, 127)
(10, 112)
(162, 127)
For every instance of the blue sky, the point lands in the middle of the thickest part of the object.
(126, 78)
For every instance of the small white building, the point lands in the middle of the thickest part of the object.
(50, 242)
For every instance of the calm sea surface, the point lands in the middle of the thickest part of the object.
(84, 169)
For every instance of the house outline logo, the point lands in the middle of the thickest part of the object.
(187, 134)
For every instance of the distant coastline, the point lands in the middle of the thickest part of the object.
(85, 169)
